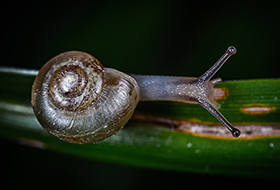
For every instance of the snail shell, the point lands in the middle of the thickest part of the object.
(77, 100)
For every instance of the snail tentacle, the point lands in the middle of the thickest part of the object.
(187, 89)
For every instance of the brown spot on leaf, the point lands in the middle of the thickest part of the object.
(257, 109)
(220, 93)
(200, 128)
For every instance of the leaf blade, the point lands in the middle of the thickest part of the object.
(145, 144)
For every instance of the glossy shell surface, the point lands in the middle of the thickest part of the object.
(77, 100)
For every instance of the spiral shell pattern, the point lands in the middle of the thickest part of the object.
(77, 100)
(75, 82)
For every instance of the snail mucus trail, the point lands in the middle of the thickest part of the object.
(79, 101)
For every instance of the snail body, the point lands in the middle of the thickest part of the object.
(77, 100)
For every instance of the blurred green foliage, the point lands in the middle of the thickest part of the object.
(144, 37)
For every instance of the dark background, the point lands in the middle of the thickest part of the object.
(144, 37)
(147, 37)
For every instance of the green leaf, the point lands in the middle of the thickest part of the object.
(144, 143)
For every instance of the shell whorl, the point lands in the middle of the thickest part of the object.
(75, 80)
(77, 100)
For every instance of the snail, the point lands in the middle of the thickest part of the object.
(79, 101)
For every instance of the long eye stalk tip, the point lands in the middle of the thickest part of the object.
(235, 132)
(232, 50)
